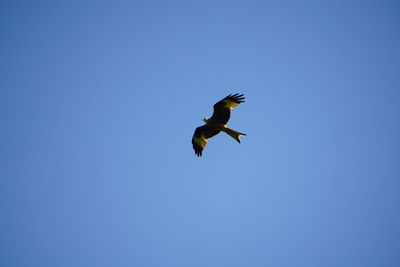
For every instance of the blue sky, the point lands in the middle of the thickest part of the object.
(99, 101)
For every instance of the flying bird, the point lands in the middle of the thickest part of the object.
(217, 123)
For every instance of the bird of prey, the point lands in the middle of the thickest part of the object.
(217, 123)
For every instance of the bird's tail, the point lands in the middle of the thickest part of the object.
(235, 135)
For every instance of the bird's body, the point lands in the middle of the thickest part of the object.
(217, 123)
(214, 124)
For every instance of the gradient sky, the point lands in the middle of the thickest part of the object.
(99, 101)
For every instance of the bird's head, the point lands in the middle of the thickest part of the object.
(205, 120)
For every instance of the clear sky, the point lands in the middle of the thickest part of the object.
(99, 101)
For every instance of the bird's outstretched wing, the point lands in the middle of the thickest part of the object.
(200, 136)
(222, 109)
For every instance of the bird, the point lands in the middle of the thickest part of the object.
(217, 123)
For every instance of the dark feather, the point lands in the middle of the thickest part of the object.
(222, 113)
(206, 132)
